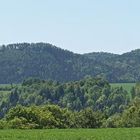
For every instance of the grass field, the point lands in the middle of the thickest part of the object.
(126, 86)
(72, 134)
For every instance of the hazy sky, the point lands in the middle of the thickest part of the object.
(77, 25)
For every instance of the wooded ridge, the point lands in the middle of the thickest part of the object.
(45, 61)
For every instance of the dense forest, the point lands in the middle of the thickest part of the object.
(45, 61)
(49, 87)
(87, 103)
(95, 93)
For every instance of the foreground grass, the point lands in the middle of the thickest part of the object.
(72, 134)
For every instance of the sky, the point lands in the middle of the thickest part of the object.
(80, 26)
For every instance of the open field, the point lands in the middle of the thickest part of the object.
(72, 134)
(126, 86)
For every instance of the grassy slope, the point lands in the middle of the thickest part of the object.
(126, 86)
(71, 134)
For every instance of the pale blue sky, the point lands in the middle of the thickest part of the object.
(78, 25)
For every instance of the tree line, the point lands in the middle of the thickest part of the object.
(95, 93)
(88, 103)
(52, 116)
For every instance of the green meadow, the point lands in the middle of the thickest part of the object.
(72, 134)
(126, 86)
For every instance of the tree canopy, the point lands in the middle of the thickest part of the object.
(46, 61)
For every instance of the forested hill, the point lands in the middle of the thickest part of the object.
(121, 68)
(45, 61)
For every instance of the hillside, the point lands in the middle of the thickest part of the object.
(121, 68)
(100, 56)
(45, 61)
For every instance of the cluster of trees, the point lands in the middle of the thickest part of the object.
(88, 103)
(130, 117)
(21, 61)
(95, 93)
(50, 116)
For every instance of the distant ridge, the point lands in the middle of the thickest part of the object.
(43, 60)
